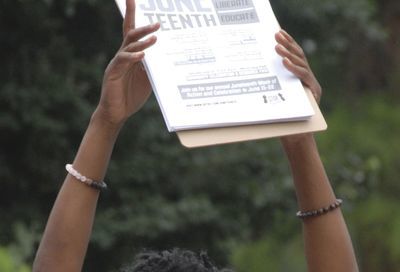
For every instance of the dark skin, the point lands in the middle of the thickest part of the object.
(125, 89)
(327, 242)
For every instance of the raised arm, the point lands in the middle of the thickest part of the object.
(125, 89)
(328, 246)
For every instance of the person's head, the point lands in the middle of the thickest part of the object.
(175, 260)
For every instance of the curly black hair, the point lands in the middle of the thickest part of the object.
(174, 260)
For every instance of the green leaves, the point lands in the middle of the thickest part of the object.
(7, 263)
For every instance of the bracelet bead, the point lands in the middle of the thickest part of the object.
(321, 211)
(99, 185)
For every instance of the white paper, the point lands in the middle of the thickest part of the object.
(214, 64)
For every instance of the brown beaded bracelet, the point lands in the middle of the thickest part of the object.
(313, 213)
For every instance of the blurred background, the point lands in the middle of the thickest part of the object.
(236, 201)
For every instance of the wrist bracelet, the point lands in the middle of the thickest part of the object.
(313, 213)
(99, 185)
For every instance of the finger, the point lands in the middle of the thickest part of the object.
(136, 34)
(140, 45)
(126, 58)
(129, 21)
(287, 35)
(284, 53)
(289, 43)
(302, 73)
(306, 78)
(121, 63)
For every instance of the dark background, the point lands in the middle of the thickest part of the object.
(237, 201)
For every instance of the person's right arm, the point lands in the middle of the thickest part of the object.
(328, 245)
(125, 89)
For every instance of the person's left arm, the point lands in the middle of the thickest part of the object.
(327, 243)
(125, 89)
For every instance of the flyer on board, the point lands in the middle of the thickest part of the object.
(215, 65)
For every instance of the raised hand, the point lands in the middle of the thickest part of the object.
(296, 62)
(125, 85)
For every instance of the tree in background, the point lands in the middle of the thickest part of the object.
(389, 12)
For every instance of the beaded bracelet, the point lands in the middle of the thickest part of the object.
(313, 213)
(99, 185)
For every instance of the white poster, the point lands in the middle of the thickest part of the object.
(214, 64)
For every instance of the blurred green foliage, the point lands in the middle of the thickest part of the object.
(7, 263)
(13, 257)
(237, 201)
